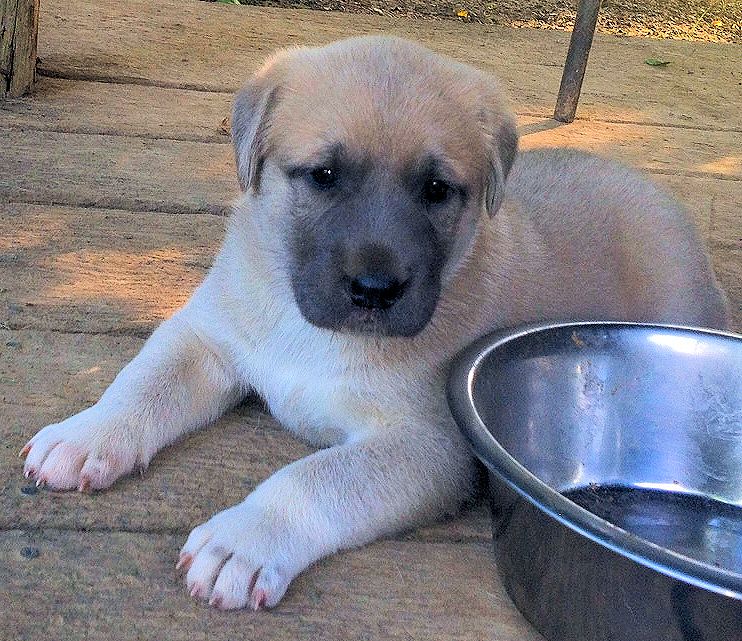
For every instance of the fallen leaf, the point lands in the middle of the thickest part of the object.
(717, 23)
(224, 126)
(462, 13)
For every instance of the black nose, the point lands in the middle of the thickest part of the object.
(375, 290)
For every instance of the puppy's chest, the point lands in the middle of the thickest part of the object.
(309, 389)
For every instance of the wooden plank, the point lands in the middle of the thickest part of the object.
(185, 176)
(214, 47)
(120, 271)
(657, 150)
(19, 26)
(100, 586)
(153, 112)
(129, 110)
(116, 172)
(186, 484)
(725, 227)
(47, 376)
(59, 371)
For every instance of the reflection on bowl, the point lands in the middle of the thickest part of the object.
(615, 460)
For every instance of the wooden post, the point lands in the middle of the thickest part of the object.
(19, 28)
(574, 67)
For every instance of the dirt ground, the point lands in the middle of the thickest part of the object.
(699, 20)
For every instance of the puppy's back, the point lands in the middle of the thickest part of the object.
(616, 241)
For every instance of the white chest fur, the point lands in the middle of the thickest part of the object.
(308, 377)
(302, 381)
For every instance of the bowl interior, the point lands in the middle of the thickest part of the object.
(640, 425)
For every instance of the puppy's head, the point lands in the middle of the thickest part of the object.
(372, 161)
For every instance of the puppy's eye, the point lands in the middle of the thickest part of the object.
(436, 191)
(323, 176)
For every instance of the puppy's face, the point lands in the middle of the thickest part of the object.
(385, 156)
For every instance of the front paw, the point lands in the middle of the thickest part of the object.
(241, 558)
(83, 452)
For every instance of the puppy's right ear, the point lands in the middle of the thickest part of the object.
(251, 116)
(501, 141)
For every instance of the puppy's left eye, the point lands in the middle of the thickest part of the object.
(323, 176)
(436, 191)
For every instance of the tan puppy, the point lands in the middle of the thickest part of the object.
(375, 238)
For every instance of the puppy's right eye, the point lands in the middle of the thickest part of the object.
(436, 191)
(323, 177)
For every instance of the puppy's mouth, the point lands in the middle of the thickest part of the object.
(378, 322)
(367, 321)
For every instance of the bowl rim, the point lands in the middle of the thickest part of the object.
(461, 402)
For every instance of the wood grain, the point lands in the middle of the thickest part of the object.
(95, 270)
(728, 267)
(84, 107)
(116, 172)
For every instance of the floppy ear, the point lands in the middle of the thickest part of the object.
(250, 123)
(502, 145)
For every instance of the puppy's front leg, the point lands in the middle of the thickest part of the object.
(341, 497)
(177, 383)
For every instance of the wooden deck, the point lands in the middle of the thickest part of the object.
(114, 179)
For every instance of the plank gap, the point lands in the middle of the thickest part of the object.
(51, 72)
(115, 210)
(123, 205)
(410, 537)
(123, 331)
(216, 139)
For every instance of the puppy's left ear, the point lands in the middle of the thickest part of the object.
(502, 145)
(251, 116)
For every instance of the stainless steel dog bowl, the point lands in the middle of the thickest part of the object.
(615, 460)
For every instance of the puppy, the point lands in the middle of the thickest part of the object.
(386, 221)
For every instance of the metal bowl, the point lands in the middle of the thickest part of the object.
(615, 460)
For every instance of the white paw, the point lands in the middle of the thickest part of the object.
(84, 452)
(239, 558)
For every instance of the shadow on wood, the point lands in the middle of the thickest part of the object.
(540, 125)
